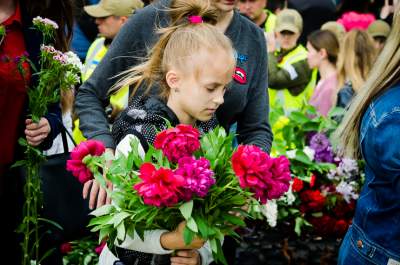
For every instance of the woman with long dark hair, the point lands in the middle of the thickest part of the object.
(21, 39)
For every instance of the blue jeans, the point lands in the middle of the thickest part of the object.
(357, 249)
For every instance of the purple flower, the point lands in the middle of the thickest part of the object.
(198, 175)
(323, 150)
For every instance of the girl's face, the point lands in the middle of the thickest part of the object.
(314, 57)
(287, 39)
(197, 92)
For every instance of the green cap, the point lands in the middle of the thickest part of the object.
(290, 20)
(379, 28)
(106, 8)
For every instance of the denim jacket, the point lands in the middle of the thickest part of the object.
(378, 208)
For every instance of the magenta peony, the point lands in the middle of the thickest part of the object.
(353, 20)
(197, 174)
(178, 142)
(160, 187)
(268, 178)
(76, 165)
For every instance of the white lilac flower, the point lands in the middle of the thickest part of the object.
(333, 174)
(291, 154)
(347, 191)
(45, 22)
(48, 48)
(74, 60)
(309, 152)
(270, 211)
(348, 167)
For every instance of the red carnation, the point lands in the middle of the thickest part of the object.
(178, 142)
(341, 227)
(323, 226)
(312, 180)
(267, 177)
(297, 185)
(76, 165)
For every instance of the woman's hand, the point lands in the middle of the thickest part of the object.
(174, 239)
(186, 257)
(98, 196)
(36, 132)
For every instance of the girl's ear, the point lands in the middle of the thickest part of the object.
(323, 53)
(172, 79)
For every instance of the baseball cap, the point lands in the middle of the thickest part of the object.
(107, 8)
(290, 20)
(379, 28)
(336, 28)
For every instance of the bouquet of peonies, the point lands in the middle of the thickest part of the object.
(324, 187)
(181, 178)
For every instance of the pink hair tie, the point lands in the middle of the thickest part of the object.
(195, 19)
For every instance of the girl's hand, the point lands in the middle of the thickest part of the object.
(186, 257)
(174, 240)
(36, 132)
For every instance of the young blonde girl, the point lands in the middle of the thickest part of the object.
(191, 65)
(356, 57)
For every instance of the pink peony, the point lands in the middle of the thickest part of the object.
(160, 187)
(269, 178)
(197, 174)
(76, 165)
(353, 20)
(178, 142)
(100, 247)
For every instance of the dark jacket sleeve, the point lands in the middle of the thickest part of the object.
(253, 123)
(279, 78)
(125, 51)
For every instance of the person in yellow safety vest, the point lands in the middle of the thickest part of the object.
(110, 16)
(291, 81)
(255, 10)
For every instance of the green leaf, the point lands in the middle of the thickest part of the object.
(302, 157)
(19, 163)
(119, 217)
(121, 231)
(203, 227)
(186, 209)
(318, 215)
(192, 225)
(233, 219)
(103, 210)
(213, 244)
(299, 117)
(299, 222)
(188, 236)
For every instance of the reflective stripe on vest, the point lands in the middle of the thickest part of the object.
(287, 100)
(270, 23)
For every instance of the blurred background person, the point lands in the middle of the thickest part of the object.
(356, 58)
(110, 16)
(291, 81)
(335, 28)
(323, 50)
(379, 31)
(256, 10)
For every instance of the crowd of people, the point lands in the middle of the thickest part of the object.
(144, 66)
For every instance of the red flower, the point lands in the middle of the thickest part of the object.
(76, 165)
(341, 227)
(323, 226)
(297, 185)
(267, 177)
(344, 210)
(178, 142)
(65, 248)
(159, 187)
(312, 200)
(312, 180)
